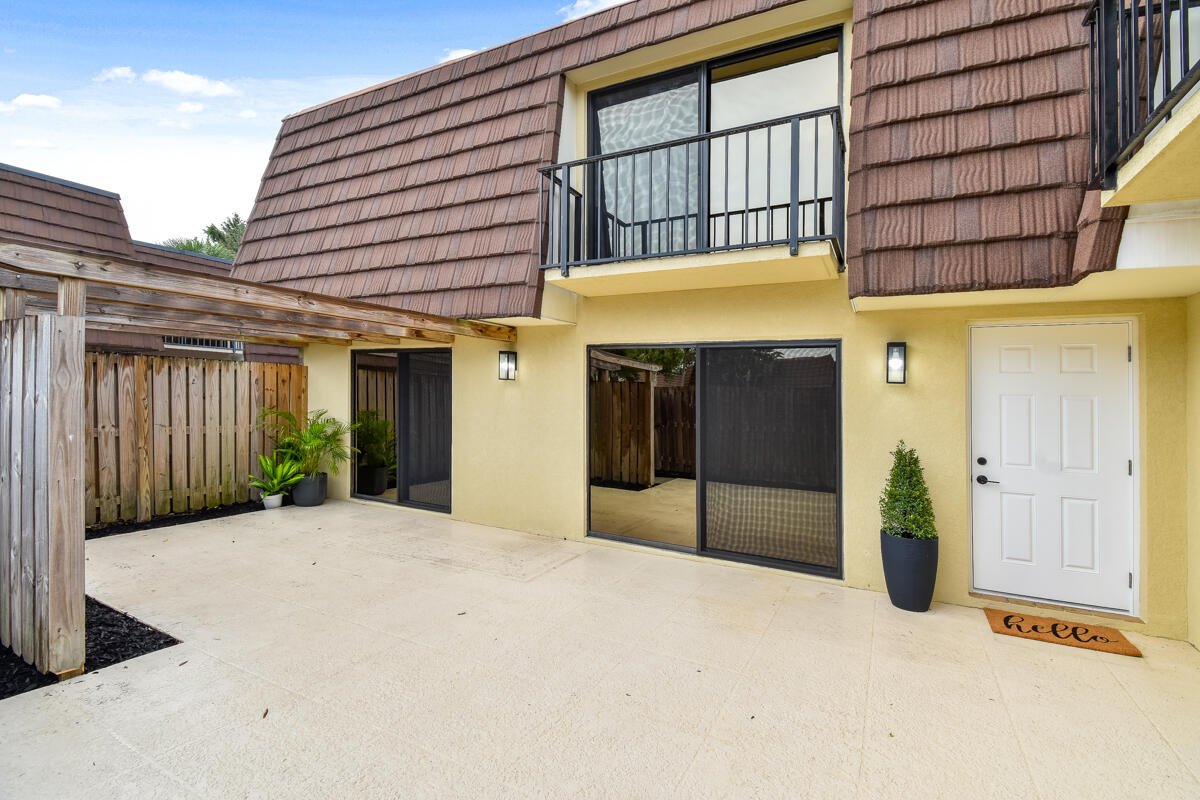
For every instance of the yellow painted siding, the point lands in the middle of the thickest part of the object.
(520, 455)
(1193, 491)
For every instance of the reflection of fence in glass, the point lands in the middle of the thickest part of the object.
(772, 183)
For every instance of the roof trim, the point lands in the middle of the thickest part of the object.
(60, 181)
(169, 249)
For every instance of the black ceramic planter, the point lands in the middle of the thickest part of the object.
(372, 480)
(310, 491)
(910, 569)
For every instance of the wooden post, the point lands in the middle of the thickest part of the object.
(12, 304)
(65, 496)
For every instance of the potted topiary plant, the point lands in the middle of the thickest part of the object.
(375, 438)
(317, 444)
(278, 475)
(908, 536)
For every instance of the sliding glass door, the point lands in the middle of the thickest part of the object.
(402, 406)
(770, 433)
(728, 449)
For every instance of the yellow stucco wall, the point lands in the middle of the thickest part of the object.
(519, 453)
(1193, 491)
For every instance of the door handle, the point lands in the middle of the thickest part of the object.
(982, 480)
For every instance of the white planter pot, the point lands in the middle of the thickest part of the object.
(272, 501)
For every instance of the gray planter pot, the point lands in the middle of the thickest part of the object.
(910, 569)
(311, 490)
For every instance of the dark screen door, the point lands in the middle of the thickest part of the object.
(770, 438)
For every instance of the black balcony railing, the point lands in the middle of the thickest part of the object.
(778, 182)
(1145, 58)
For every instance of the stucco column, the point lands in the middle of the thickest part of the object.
(329, 388)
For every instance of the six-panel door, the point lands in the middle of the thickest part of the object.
(1052, 462)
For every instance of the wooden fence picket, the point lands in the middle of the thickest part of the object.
(166, 435)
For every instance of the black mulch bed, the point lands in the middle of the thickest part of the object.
(113, 528)
(112, 637)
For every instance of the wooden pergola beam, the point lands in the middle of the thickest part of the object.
(104, 270)
(134, 302)
(621, 361)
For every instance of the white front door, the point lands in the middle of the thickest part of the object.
(1052, 435)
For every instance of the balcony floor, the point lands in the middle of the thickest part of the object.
(751, 267)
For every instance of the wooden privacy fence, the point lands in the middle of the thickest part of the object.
(166, 435)
(675, 430)
(622, 431)
(41, 496)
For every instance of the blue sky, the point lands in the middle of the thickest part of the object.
(174, 105)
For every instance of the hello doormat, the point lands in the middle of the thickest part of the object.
(1045, 629)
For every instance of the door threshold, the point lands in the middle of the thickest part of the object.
(1043, 604)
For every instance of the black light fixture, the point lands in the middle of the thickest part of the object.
(897, 362)
(508, 365)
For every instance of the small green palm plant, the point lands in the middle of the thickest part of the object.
(376, 439)
(278, 474)
(317, 443)
(905, 509)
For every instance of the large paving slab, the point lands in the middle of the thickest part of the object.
(356, 650)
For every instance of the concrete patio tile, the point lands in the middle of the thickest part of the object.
(759, 774)
(666, 689)
(423, 657)
(918, 759)
(618, 754)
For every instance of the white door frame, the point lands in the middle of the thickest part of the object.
(1135, 448)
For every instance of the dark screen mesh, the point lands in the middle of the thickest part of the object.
(426, 448)
(770, 452)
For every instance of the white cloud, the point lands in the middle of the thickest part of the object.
(109, 135)
(186, 83)
(581, 8)
(189, 108)
(35, 144)
(35, 101)
(115, 74)
(450, 55)
(248, 113)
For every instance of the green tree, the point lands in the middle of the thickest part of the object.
(221, 241)
(905, 509)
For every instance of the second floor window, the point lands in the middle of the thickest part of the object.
(704, 157)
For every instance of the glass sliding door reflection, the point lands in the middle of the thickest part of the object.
(425, 434)
(402, 406)
(769, 459)
(648, 203)
(641, 437)
(751, 172)
(375, 407)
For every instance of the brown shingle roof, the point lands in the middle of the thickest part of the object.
(163, 256)
(39, 209)
(969, 148)
(422, 192)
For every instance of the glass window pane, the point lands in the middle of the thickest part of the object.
(770, 436)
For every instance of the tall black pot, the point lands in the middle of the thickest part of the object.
(910, 569)
(311, 489)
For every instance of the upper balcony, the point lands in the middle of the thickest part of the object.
(1145, 58)
(687, 167)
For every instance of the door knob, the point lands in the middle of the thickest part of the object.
(983, 480)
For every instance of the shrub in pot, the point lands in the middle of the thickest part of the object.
(278, 476)
(375, 438)
(908, 535)
(316, 444)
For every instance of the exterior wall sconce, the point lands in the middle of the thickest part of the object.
(897, 362)
(508, 365)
